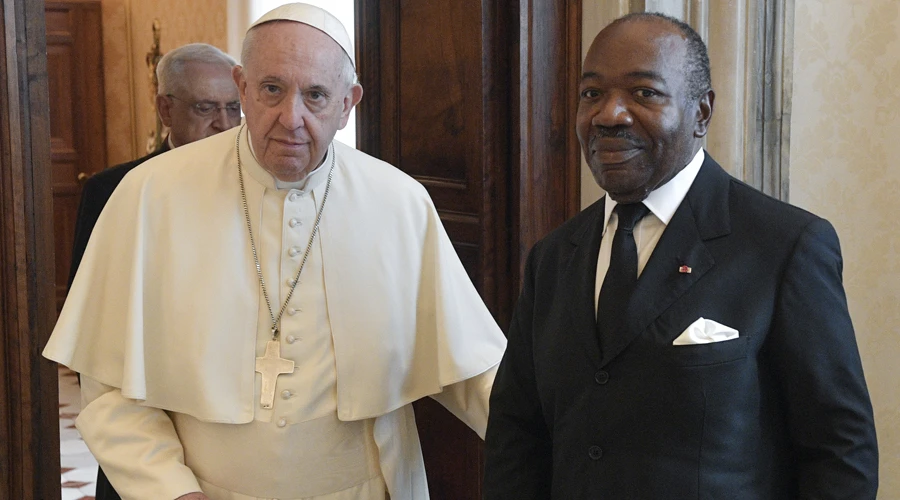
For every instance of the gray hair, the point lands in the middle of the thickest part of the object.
(170, 71)
(348, 71)
(696, 66)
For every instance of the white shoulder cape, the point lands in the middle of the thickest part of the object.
(165, 303)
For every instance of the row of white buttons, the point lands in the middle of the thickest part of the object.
(290, 339)
(285, 394)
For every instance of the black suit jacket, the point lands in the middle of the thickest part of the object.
(782, 412)
(94, 195)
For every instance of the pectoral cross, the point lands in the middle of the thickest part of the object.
(270, 367)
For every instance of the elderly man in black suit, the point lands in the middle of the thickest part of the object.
(197, 98)
(686, 336)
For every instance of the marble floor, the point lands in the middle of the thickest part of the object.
(79, 469)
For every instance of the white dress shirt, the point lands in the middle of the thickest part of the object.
(662, 202)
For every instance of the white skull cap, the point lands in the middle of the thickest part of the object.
(313, 16)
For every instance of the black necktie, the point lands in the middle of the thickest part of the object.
(622, 275)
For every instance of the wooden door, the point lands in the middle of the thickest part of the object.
(77, 128)
(475, 99)
(29, 403)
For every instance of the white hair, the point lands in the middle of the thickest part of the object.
(170, 70)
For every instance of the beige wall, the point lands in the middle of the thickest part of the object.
(127, 37)
(845, 147)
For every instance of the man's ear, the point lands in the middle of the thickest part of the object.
(164, 109)
(352, 99)
(704, 113)
(237, 73)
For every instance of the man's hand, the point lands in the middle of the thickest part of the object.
(193, 496)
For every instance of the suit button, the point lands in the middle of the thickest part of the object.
(595, 452)
(601, 377)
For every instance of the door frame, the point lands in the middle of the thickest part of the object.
(29, 394)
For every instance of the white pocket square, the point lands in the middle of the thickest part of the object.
(705, 331)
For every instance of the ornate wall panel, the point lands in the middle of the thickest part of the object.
(121, 141)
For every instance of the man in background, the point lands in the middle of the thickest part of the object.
(197, 98)
(686, 336)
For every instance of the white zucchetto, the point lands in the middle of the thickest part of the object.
(313, 16)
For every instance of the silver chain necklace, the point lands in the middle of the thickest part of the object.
(262, 282)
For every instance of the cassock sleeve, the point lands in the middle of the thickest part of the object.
(469, 400)
(813, 349)
(518, 445)
(136, 446)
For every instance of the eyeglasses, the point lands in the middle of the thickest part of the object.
(206, 109)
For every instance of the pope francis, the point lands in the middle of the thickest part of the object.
(256, 311)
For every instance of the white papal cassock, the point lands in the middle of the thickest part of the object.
(165, 319)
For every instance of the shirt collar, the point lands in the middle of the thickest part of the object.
(664, 200)
(261, 175)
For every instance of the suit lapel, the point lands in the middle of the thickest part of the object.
(702, 215)
(579, 281)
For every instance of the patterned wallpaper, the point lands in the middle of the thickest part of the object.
(128, 35)
(844, 145)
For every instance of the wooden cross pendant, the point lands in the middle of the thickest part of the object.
(270, 367)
